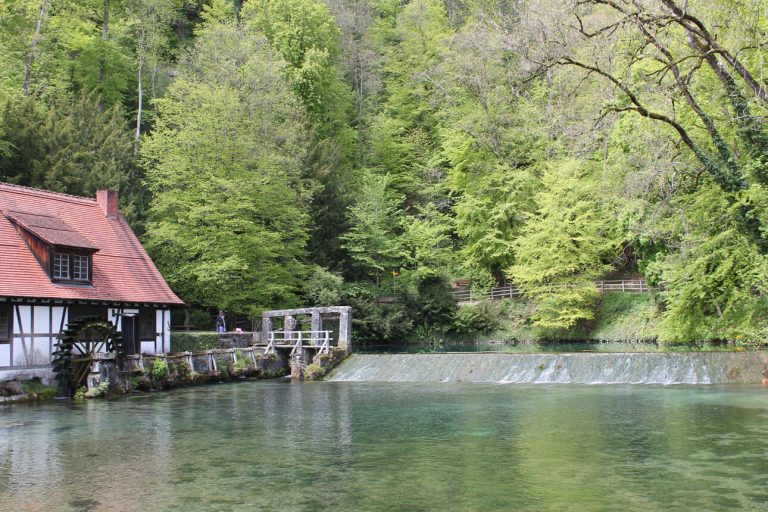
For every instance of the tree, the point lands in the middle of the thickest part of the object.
(373, 239)
(150, 20)
(717, 281)
(71, 147)
(228, 214)
(304, 33)
(562, 246)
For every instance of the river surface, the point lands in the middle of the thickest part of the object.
(344, 446)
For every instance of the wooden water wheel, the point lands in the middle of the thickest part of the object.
(77, 348)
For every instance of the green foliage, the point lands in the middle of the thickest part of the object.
(482, 318)
(717, 282)
(322, 288)
(286, 142)
(159, 369)
(434, 303)
(418, 314)
(39, 389)
(374, 323)
(193, 341)
(71, 147)
(627, 317)
(227, 219)
(305, 34)
(561, 247)
(84, 393)
(372, 240)
(314, 371)
(241, 362)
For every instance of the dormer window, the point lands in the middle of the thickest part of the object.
(71, 267)
(62, 252)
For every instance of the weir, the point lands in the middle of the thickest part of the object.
(570, 368)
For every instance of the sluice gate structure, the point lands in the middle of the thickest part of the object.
(319, 336)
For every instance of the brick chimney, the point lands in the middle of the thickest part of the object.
(107, 201)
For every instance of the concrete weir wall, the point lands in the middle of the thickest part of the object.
(572, 368)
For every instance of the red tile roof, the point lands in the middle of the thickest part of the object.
(122, 270)
(50, 229)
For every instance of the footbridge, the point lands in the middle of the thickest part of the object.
(321, 335)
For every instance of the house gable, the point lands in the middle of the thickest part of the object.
(35, 225)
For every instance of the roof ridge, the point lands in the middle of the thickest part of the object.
(39, 191)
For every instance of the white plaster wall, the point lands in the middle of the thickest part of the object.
(42, 319)
(26, 325)
(163, 330)
(58, 312)
(5, 354)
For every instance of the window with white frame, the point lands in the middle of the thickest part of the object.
(80, 268)
(60, 265)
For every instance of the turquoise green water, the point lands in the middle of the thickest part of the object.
(389, 447)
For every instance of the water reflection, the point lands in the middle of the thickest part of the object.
(315, 446)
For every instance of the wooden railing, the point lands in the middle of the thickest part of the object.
(298, 340)
(507, 292)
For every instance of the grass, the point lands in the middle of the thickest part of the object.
(39, 389)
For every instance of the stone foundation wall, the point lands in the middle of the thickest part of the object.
(324, 363)
(237, 339)
(165, 371)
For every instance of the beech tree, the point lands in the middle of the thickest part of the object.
(228, 216)
(563, 247)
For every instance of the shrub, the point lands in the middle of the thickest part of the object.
(193, 341)
(313, 371)
(374, 323)
(322, 287)
(159, 369)
(477, 318)
(39, 389)
(434, 304)
(82, 392)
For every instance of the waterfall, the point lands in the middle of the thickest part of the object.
(570, 368)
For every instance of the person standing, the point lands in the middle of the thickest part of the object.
(221, 322)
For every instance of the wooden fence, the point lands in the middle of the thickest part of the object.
(507, 292)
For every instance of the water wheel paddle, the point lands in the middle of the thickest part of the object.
(77, 348)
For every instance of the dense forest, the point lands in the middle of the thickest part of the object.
(279, 152)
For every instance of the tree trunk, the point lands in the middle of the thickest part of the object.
(103, 58)
(33, 48)
(140, 92)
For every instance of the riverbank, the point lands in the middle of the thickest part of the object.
(620, 317)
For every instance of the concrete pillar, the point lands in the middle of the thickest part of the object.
(317, 324)
(266, 327)
(345, 328)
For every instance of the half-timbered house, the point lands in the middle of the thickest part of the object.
(63, 257)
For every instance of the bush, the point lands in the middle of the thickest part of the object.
(159, 369)
(322, 288)
(435, 304)
(477, 318)
(36, 387)
(374, 323)
(193, 341)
